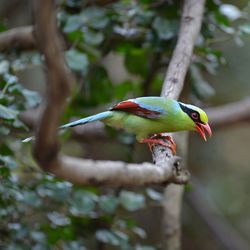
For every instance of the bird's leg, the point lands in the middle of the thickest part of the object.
(160, 139)
(168, 138)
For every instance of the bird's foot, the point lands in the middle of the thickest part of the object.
(160, 139)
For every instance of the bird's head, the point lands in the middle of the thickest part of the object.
(199, 119)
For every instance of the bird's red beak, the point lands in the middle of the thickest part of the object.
(202, 128)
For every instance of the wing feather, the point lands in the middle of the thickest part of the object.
(137, 108)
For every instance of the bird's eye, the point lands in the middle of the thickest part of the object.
(194, 115)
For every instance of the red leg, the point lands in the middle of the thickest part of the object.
(164, 137)
(160, 139)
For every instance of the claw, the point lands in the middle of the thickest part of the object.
(160, 139)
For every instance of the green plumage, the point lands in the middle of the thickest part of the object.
(140, 120)
(174, 119)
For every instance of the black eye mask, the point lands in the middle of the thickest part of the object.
(194, 115)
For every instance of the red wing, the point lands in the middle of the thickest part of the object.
(136, 109)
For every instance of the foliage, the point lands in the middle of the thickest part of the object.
(47, 213)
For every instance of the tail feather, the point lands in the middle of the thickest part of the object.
(93, 118)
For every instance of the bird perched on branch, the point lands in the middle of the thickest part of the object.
(149, 117)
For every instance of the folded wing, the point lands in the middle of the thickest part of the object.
(139, 108)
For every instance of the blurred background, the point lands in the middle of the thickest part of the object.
(118, 50)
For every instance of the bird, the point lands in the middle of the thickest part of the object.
(148, 118)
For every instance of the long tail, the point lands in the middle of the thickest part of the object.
(93, 118)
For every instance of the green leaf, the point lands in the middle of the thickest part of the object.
(108, 203)
(32, 98)
(136, 61)
(58, 219)
(10, 79)
(74, 245)
(2, 27)
(165, 29)
(72, 24)
(107, 236)
(154, 195)
(18, 124)
(98, 87)
(121, 235)
(77, 61)
(38, 236)
(5, 150)
(59, 191)
(93, 38)
(125, 89)
(31, 198)
(56, 234)
(95, 17)
(221, 20)
(75, 36)
(245, 28)
(132, 201)
(140, 232)
(8, 162)
(230, 11)
(73, 3)
(7, 113)
(4, 66)
(188, 187)
(83, 203)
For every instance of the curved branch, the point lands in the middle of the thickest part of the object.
(229, 114)
(117, 173)
(19, 38)
(46, 145)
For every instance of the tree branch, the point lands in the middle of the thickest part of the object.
(116, 173)
(46, 145)
(18, 38)
(230, 113)
(190, 26)
(172, 202)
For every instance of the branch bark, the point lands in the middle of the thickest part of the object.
(46, 145)
(190, 26)
(18, 38)
(115, 173)
(230, 113)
